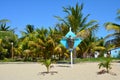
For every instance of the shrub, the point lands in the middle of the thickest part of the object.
(47, 63)
(106, 64)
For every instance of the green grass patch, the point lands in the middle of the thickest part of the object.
(7, 60)
(78, 60)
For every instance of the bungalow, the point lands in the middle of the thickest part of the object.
(115, 53)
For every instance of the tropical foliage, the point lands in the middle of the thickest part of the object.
(7, 37)
(47, 64)
(44, 43)
(106, 64)
(116, 28)
(83, 28)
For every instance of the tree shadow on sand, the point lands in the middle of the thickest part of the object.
(104, 72)
(45, 73)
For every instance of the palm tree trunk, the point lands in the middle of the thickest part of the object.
(47, 69)
(59, 56)
(107, 70)
(85, 53)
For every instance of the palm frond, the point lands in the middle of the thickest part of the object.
(112, 26)
(84, 33)
(84, 20)
(0, 41)
(111, 35)
(58, 49)
(4, 20)
(101, 65)
(47, 64)
(31, 43)
(40, 42)
(66, 10)
(60, 19)
(99, 48)
(118, 14)
(94, 28)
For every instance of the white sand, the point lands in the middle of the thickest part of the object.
(33, 71)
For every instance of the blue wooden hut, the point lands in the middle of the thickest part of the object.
(115, 53)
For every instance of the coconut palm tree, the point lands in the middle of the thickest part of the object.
(75, 18)
(26, 43)
(77, 22)
(3, 26)
(62, 29)
(116, 28)
(47, 40)
(61, 52)
(29, 47)
(8, 37)
(106, 64)
(41, 41)
(3, 51)
(28, 30)
(89, 45)
(47, 63)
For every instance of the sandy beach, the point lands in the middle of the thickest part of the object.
(36, 71)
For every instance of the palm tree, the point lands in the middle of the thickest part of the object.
(27, 43)
(89, 45)
(3, 26)
(28, 30)
(8, 37)
(75, 18)
(113, 26)
(116, 27)
(61, 52)
(47, 63)
(47, 40)
(29, 46)
(3, 51)
(77, 22)
(62, 29)
(106, 64)
(41, 41)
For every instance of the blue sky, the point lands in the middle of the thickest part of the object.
(40, 13)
